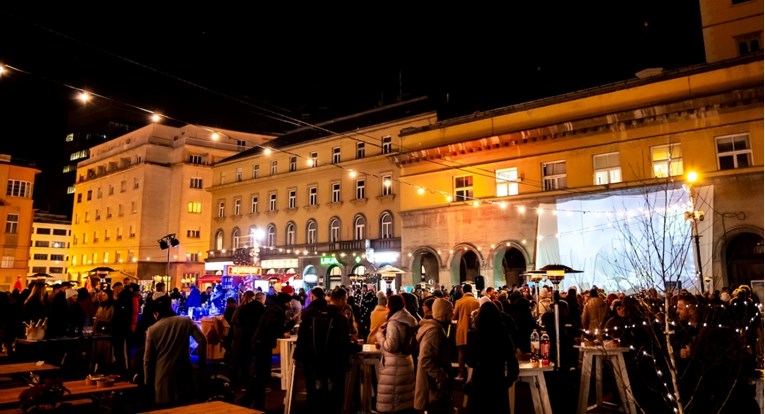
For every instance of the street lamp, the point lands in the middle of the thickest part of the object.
(695, 216)
(165, 243)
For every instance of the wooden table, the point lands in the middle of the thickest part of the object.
(361, 366)
(535, 377)
(24, 367)
(616, 357)
(10, 396)
(212, 407)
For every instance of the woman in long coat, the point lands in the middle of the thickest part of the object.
(395, 378)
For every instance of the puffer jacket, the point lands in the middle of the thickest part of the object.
(395, 376)
(433, 390)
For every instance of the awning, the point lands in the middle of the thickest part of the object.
(210, 278)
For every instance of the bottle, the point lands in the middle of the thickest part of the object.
(544, 348)
(534, 343)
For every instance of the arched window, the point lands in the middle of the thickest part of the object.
(359, 227)
(311, 232)
(271, 235)
(219, 240)
(290, 234)
(334, 230)
(235, 238)
(386, 226)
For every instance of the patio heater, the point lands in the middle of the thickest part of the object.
(164, 243)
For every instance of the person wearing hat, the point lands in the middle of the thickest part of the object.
(273, 325)
(377, 317)
(432, 390)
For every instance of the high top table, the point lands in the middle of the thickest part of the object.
(25, 367)
(211, 407)
(616, 357)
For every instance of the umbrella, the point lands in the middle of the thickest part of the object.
(388, 269)
(102, 269)
(39, 276)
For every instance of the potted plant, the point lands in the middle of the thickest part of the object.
(44, 397)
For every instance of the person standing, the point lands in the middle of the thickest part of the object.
(395, 387)
(594, 312)
(463, 308)
(377, 317)
(245, 322)
(433, 389)
(168, 369)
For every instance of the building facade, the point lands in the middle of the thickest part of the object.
(319, 205)
(16, 213)
(49, 250)
(496, 194)
(143, 187)
(731, 28)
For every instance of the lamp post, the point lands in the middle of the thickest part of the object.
(165, 243)
(695, 216)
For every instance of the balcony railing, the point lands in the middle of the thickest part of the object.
(393, 243)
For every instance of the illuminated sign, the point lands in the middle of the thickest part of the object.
(385, 257)
(232, 270)
(279, 263)
(328, 261)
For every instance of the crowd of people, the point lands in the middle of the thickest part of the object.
(714, 344)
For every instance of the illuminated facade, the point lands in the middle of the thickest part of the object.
(731, 28)
(487, 187)
(49, 251)
(137, 188)
(319, 202)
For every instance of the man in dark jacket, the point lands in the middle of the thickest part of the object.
(273, 325)
(324, 348)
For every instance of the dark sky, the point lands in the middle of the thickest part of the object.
(230, 65)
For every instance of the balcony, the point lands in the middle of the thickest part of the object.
(348, 246)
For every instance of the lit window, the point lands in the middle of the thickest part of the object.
(387, 185)
(507, 182)
(667, 160)
(607, 168)
(271, 235)
(386, 226)
(334, 230)
(359, 228)
(290, 233)
(310, 236)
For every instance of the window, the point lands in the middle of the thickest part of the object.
(43, 243)
(193, 234)
(79, 198)
(334, 230)
(255, 171)
(195, 207)
(271, 235)
(12, 224)
(235, 239)
(123, 186)
(98, 215)
(293, 164)
(360, 193)
(290, 233)
(195, 182)
(667, 160)
(39, 256)
(120, 210)
(292, 199)
(733, 151)
(219, 240)
(387, 144)
(90, 195)
(463, 188)
(111, 190)
(195, 159)
(222, 178)
(748, 43)
(22, 189)
(136, 183)
(360, 150)
(42, 230)
(272, 202)
(108, 212)
(386, 226)
(314, 161)
(133, 207)
(507, 182)
(57, 257)
(106, 235)
(335, 192)
(39, 269)
(254, 204)
(310, 232)
(607, 168)
(131, 232)
(387, 185)
(312, 195)
(239, 174)
(7, 262)
(335, 155)
(99, 193)
(237, 206)
(60, 232)
(359, 228)
(274, 165)
(553, 175)
(221, 209)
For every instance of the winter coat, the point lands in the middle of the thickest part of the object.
(395, 378)
(462, 310)
(433, 389)
(245, 322)
(594, 312)
(377, 319)
(167, 363)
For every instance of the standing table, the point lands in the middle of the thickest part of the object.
(616, 357)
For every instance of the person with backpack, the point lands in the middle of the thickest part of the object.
(395, 386)
(324, 348)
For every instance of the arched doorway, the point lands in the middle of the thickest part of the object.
(744, 259)
(513, 266)
(425, 266)
(465, 265)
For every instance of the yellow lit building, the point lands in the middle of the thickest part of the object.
(731, 28)
(499, 193)
(317, 205)
(16, 213)
(49, 251)
(141, 188)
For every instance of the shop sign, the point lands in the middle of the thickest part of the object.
(329, 261)
(279, 263)
(232, 270)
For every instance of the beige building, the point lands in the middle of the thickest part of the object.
(16, 213)
(49, 251)
(318, 205)
(144, 187)
(731, 28)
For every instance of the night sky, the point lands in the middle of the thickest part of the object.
(239, 66)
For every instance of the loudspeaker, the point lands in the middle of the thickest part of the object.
(479, 283)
